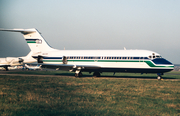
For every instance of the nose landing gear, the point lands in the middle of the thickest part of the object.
(159, 76)
(78, 72)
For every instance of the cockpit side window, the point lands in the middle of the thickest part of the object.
(157, 56)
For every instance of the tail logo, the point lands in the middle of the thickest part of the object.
(37, 41)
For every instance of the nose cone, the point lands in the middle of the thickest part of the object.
(163, 63)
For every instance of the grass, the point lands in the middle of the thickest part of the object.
(89, 96)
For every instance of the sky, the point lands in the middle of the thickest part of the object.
(93, 24)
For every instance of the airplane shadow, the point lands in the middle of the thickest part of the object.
(120, 77)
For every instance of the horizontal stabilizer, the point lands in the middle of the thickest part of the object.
(33, 38)
(23, 31)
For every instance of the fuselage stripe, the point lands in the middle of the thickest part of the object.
(148, 62)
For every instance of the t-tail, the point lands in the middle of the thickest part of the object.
(33, 38)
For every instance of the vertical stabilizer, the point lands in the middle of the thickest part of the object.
(33, 38)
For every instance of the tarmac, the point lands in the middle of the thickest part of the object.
(84, 76)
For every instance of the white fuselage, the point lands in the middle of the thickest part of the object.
(110, 60)
(9, 61)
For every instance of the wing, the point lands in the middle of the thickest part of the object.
(70, 67)
(4, 65)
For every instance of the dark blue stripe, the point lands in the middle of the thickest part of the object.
(93, 57)
(52, 57)
(31, 39)
(129, 70)
(48, 57)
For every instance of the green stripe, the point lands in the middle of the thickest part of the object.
(31, 41)
(152, 65)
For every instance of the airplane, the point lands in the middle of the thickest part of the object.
(14, 61)
(38, 67)
(96, 61)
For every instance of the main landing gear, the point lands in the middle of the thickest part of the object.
(6, 68)
(96, 74)
(159, 76)
(78, 74)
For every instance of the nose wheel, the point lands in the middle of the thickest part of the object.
(159, 76)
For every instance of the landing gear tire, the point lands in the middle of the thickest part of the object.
(76, 75)
(96, 74)
(6, 68)
(159, 78)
